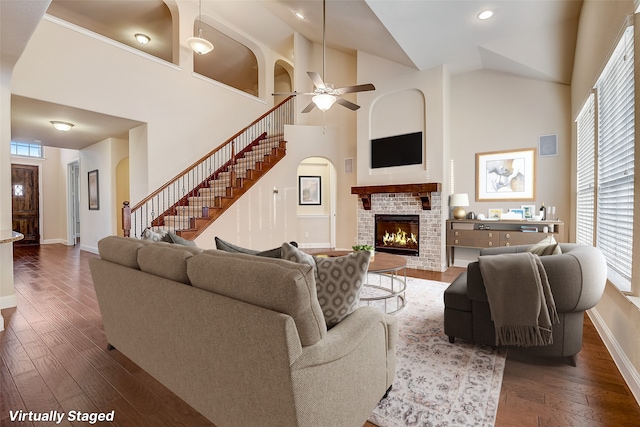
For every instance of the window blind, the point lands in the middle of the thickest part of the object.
(585, 206)
(615, 103)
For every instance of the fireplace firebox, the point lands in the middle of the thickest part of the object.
(398, 234)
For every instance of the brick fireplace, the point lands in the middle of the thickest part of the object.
(421, 200)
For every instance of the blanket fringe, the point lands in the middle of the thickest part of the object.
(523, 335)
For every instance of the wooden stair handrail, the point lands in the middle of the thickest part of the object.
(206, 156)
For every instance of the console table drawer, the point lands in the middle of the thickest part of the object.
(512, 238)
(473, 238)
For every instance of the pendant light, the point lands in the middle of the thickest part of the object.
(199, 44)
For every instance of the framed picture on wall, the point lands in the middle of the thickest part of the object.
(506, 175)
(309, 190)
(94, 194)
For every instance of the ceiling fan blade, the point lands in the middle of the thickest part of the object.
(316, 79)
(309, 107)
(290, 93)
(358, 88)
(350, 105)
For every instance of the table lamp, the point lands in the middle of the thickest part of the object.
(458, 202)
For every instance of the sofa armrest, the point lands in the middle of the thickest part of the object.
(347, 335)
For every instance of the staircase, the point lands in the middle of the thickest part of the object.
(193, 200)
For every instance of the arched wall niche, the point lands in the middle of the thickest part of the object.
(235, 60)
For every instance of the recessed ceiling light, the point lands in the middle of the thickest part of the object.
(62, 126)
(142, 38)
(485, 15)
(299, 15)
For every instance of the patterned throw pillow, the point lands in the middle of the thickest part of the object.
(547, 246)
(156, 236)
(339, 280)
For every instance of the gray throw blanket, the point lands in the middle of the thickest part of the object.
(522, 306)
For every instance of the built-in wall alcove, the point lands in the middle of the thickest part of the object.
(121, 20)
(230, 62)
(316, 203)
(282, 80)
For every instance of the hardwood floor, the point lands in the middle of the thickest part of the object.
(53, 357)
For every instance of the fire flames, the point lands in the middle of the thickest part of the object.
(399, 238)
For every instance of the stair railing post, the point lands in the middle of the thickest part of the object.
(126, 219)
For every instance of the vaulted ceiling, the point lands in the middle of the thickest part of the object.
(532, 38)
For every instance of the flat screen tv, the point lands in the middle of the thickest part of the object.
(399, 150)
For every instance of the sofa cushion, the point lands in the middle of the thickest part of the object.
(229, 247)
(339, 280)
(274, 284)
(120, 250)
(165, 261)
(547, 246)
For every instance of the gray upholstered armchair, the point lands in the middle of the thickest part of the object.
(577, 278)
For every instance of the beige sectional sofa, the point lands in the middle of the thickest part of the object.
(240, 338)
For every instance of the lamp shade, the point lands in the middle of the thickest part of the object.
(461, 199)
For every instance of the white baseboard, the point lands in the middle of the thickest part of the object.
(54, 241)
(627, 370)
(314, 245)
(91, 249)
(8, 301)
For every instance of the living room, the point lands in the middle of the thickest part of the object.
(460, 115)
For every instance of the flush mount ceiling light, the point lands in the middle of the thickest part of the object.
(485, 15)
(142, 38)
(199, 44)
(299, 15)
(62, 126)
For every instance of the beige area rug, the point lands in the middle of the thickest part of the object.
(438, 383)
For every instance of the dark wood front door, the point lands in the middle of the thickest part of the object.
(25, 198)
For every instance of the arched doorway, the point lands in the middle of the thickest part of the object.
(282, 81)
(316, 211)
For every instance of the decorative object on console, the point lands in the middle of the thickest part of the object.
(518, 212)
(458, 202)
(506, 175)
(495, 213)
(529, 211)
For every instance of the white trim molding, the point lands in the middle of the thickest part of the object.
(8, 301)
(627, 370)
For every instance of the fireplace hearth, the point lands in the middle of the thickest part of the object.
(397, 234)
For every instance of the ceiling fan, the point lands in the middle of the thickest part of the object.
(325, 94)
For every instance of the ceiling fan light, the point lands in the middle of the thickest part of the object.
(324, 101)
(62, 126)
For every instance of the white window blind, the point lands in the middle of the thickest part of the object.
(585, 214)
(615, 143)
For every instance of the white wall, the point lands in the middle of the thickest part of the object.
(615, 317)
(314, 221)
(263, 220)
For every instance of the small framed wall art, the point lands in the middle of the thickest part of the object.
(94, 191)
(506, 175)
(310, 191)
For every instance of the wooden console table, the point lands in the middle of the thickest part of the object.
(475, 233)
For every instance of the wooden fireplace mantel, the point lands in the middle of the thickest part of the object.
(420, 190)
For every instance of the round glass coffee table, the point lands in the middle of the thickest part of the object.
(386, 281)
